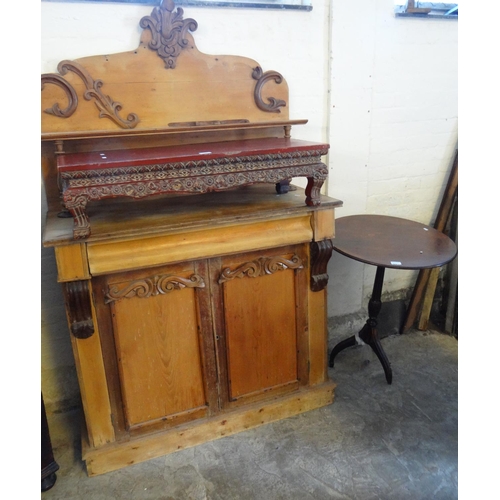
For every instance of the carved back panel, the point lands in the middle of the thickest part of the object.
(166, 83)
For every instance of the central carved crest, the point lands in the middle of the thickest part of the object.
(168, 31)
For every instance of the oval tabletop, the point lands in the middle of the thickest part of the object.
(392, 242)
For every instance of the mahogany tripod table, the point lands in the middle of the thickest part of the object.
(387, 242)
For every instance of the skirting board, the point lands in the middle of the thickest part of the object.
(118, 455)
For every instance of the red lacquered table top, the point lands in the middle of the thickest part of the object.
(392, 242)
(96, 160)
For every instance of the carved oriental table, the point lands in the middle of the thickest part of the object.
(193, 168)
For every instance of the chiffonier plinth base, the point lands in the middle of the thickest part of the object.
(122, 454)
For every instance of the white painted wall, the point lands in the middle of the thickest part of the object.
(381, 90)
(393, 127)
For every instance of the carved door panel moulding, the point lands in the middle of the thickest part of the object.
(149, 287)
(261, 267)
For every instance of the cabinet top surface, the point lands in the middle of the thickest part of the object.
(123, 218)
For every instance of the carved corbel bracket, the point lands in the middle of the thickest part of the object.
(78, 305)
(321, 251)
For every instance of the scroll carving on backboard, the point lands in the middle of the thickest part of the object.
(262, 78)
(169, 34)
(105, 104)
(70, 94)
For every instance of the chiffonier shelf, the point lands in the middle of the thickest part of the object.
(194, 274)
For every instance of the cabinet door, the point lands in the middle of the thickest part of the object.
(263, 324)
(163, 341)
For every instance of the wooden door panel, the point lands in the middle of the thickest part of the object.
(261, 332)
(158, 354)
(158, 346)
(262, 318)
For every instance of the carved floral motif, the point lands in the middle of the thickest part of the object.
(107, 107)
(193, 168)
(197, 177)
(261, 267)
(149, 287)
(168, 31)
(201, 184)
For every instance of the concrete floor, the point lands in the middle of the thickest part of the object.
(374, 442)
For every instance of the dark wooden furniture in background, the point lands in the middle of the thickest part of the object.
(49, 465)
(387, 242)
(195, 294)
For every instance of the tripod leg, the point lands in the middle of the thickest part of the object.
(344, 344)
(350, 342)
(373, 341)
(368, 334)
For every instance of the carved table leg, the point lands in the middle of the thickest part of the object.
(368, 334)
(76, 206)
(313, 189)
